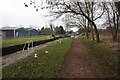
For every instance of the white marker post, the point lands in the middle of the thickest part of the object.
(46, 52)
(35, 55)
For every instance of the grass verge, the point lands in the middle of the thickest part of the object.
(105, 57)
(20, 40)
(44, 66)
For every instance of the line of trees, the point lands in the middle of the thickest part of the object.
(52, 30)
(86, 10)
(84, 14)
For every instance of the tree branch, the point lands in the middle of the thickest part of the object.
(99, 16)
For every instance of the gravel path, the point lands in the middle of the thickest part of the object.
(78, 64)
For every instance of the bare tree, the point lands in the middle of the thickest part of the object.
(115, 19)
(76, 8)
(61, 7)
(117, 4)
(108, 13)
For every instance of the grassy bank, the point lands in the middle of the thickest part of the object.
(44, 66)
(20, 40)
(107, 39)
(105, 57)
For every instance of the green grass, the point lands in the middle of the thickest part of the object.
(14, 41)
(44, 66)
(105, 57)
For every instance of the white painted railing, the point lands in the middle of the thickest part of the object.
(32, 43)
(28, 46)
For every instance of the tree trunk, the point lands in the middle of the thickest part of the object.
(92, 29)
(117, 4)
(110, 23)
(92, 33)
(116, 29)
(87, 22)
(96, 32)
(92, 22)
(95, 28)
(86, 30)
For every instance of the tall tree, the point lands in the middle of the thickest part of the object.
(117, 4)
(75, 7)
(62, 31)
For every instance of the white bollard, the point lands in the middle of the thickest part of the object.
(46, 52)
(35, 55)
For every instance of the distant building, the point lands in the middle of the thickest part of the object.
(21, 32)
(32, 32)
(10, 32)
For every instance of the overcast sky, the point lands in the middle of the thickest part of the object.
(14, 13)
